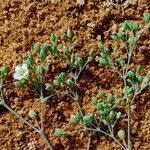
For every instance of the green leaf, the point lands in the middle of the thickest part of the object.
(42, 54)
(138, 69)
(30, 59)
(119, 36)
(40, 70)
(103, 55)
(22, 83)
(44, 99)
(115, 49)
(61, 77)
(3, 72)
(37, 47)
(94, 100)
(105, 122)
(134, 26)
(147, 18)
(114, 37)
(122, 62)
(53, 37)
(117, 101)
(139, 79)
(103, 61)
(101, 46)
(125, 26)
(68, 36)
(131, 74)
(99, 106)
(109, 98)
(130, 91)
(112, 115)
(47, 47)
(91, 55)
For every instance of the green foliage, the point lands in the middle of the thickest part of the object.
(59, 132)
(106, 105)
(3, 72)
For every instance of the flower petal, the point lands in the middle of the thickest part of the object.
(17, 68)
(16, 76)
(24, 66)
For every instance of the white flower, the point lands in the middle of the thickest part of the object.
(21, 71)
(80, 2)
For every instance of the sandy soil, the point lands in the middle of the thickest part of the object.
(24, 23)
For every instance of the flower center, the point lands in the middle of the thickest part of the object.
(22, 71)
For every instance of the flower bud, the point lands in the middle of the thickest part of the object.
(132, 40)
(117, 101)
(114, 37)
(112, 115)
(70, 83)
(32, 114)
(122, 62)
(99, 106)
(74, 120)
(49, 87)
(109, 98)
(115, 49)
(118, 116)
(131, 74)
(121, 134)
(69, 34)
(105, 122)
(89, 118)
(59, 132)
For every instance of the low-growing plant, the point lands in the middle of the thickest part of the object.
(31, 74)
(133, 83)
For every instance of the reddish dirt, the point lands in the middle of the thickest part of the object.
(24, 23)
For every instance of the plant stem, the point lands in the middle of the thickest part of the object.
(89, 141)
(42, 105)
(129, 126)
(29, 124)
(18, 116)
(81, 70)
(109, 135)
(45, 139)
